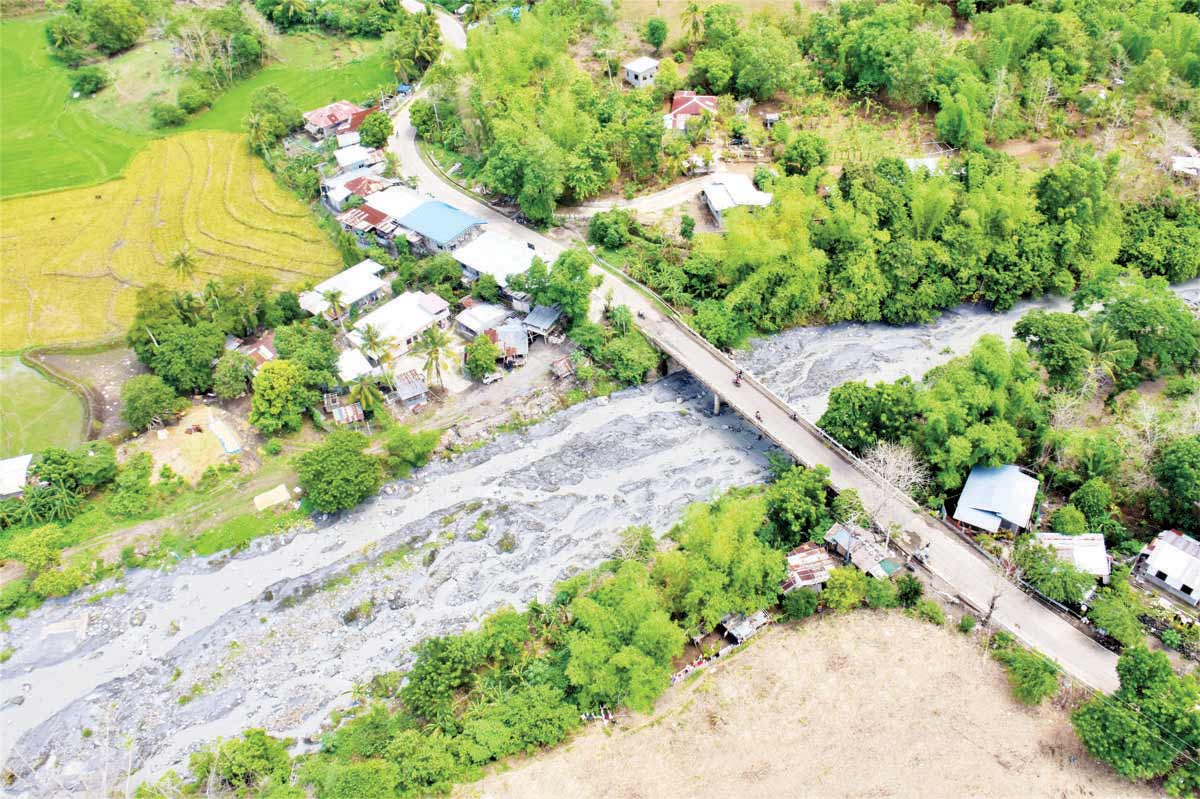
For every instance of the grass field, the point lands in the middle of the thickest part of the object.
(313, 70)
(140, 77)
(73, 260)
(35, 413)
(47, 140)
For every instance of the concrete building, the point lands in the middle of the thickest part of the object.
(440, 227)
(496, 254)
(404, 319)
(480, 317)
(641, 71)
(997, 497)
(686, 106)
(1085, 552)
(1172, 562)
(732, 190)
(329, 120)
(359, 285)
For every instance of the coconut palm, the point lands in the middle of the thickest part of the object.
(379, 347)
(291, 9)
(621, 319)
(188, 305)
(1109, 354)
(367, 395)
(403, 64)
(183, 262)
(258, 132)
(337, 305)
(434, 344)
(211, 297)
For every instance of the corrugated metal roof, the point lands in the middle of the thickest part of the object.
(996, 493)
(1086, 552)
(1177, 556)
(14, 473)
(439, 222)
(542, 318)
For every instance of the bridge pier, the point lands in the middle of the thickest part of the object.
(716, 404)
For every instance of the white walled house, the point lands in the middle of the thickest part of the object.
(641, 71)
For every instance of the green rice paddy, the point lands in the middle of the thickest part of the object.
(35, 412)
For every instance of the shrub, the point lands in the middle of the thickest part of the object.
(38, 549)
(1093, 499)
(1069, 520)
(805, 152)
(15, 595)
(273, 446)
(244, 762)
(375, 129)
(909, 590)
(881, 594)
(846, 588)
(930, 611)
(482, 354)
(337, 474)
(193, 98)
(167, 115)
(408, 450)
(59, 582)
(146, 398)
(1032, 676)
(687, 227)
(800, 604)
(88, 80)
(966, 624)
(1171, 639)
(1181, 386)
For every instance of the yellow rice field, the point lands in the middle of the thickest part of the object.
(71, 261)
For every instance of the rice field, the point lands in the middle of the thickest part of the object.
(48, 140)
(73, 260)
(35, 412)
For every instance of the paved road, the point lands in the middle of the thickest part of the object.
(971, 576)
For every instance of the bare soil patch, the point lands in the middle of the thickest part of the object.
(103, 373)
(863, 705)
(204, 436)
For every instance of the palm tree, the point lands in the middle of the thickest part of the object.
(337, 305)
(183, 262)
(258, 132)
(693, 21)
(291, 9)
(434, 344)
(428, 47)
(403, 65)
(188, 306)
(621, 319)
(367, 395)
(211, 296)
(1109, 354)
(379, 347)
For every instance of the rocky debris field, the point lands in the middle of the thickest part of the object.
(278, 635)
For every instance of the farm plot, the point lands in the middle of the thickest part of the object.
(75, 259)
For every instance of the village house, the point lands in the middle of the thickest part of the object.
(479, 317)
(329, 120)
(348, 139)
(997, 498)
(496, 254)
(260, 350)
(404, 319)
(687, 106)
(411, 389)
(513, 341)
(355, 183)
(1172, 562)
(359, 285)
(357, 157)
(732, 190)
(1085, 552)
(542, 320)
(397, 201)
(1186, 167)
(856, 546)
(14, 476)
(352, 364)
(641, 71)
(371, 227)
(439, 226)
(808, 566)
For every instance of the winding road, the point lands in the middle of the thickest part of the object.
(971, 576)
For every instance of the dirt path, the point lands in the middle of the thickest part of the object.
(866, 705)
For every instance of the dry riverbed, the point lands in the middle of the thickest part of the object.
(278, 635)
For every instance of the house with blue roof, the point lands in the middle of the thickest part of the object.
(997, 498)
(435, 226)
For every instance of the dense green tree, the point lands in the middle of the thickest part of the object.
(272, 116)
(804, 153)
(280, 397)
(629, 357)
(1059, 341)
(846, 589)
(247, 761)
(798, 506)
(1094, 499)
(1117, 608)
(113, 25)
(145, 398)
(1177, 470)
(1046, 572)
(1069, 520)
(375, 129)
(232, 374)
(1160, 325)
(336, 474)
(481, 355)
(408, 449)
(655, 32)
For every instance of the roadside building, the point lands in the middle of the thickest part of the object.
(479, 317)
(347, 139)
(411, 388)
(328, 120)
(1172, 562)
(742, 628)
(513, 341)
(359, 285)
(1085, 552)
(856, 546)
(808, 566)
(337, 189)
(542, 320)
(356, 157)
(404, 318)
(732, 190)
(396, 201)
(641, 71)
(997, 498)
(14, 476)
(494, 253)
(370, 226)
(687, 106)
(439, 226)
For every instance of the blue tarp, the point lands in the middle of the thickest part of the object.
(439, 222)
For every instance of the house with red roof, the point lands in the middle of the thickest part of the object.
(329, 120)
(686, 106)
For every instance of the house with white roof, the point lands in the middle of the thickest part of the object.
(337, 189)
(494, 253)
(14, 476)
(356, 157)
(1085, 552)
(359, 285)
(641, 71)
(404, 319)
(395, 201)
(479, 317)
(1172, 562)
(997, 497)
(352, 364)
(732, 190)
